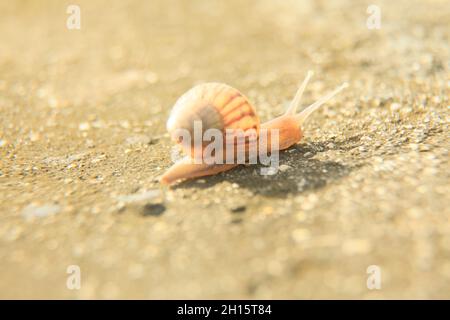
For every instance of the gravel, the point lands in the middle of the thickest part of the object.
(83, 142)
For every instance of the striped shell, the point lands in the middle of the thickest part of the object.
(217, 106)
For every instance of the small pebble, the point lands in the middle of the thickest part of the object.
(90, 143)
(395, 106)
(84, 126)
(124, 124)
(284, 168)
(153, 209)
(138, 139)
(139, 197)
(34, 136)
(238, 208)
(42, 211)
(362, 149)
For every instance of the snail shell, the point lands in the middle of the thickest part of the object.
(216, 106)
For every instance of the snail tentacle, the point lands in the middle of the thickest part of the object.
(303, 116)
(298, 96)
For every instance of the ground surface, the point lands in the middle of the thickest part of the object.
(82, 143)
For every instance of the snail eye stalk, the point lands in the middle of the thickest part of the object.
(303, 116)
(298, 96)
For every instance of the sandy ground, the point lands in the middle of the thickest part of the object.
(83, 141)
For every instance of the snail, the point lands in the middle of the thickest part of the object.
(219, 106)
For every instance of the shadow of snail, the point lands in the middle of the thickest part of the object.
(305, 174)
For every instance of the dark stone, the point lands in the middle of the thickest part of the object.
(238, 209)
(153, 210)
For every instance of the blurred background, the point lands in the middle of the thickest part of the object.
(83, 142)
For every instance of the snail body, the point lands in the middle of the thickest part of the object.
(223, 108)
